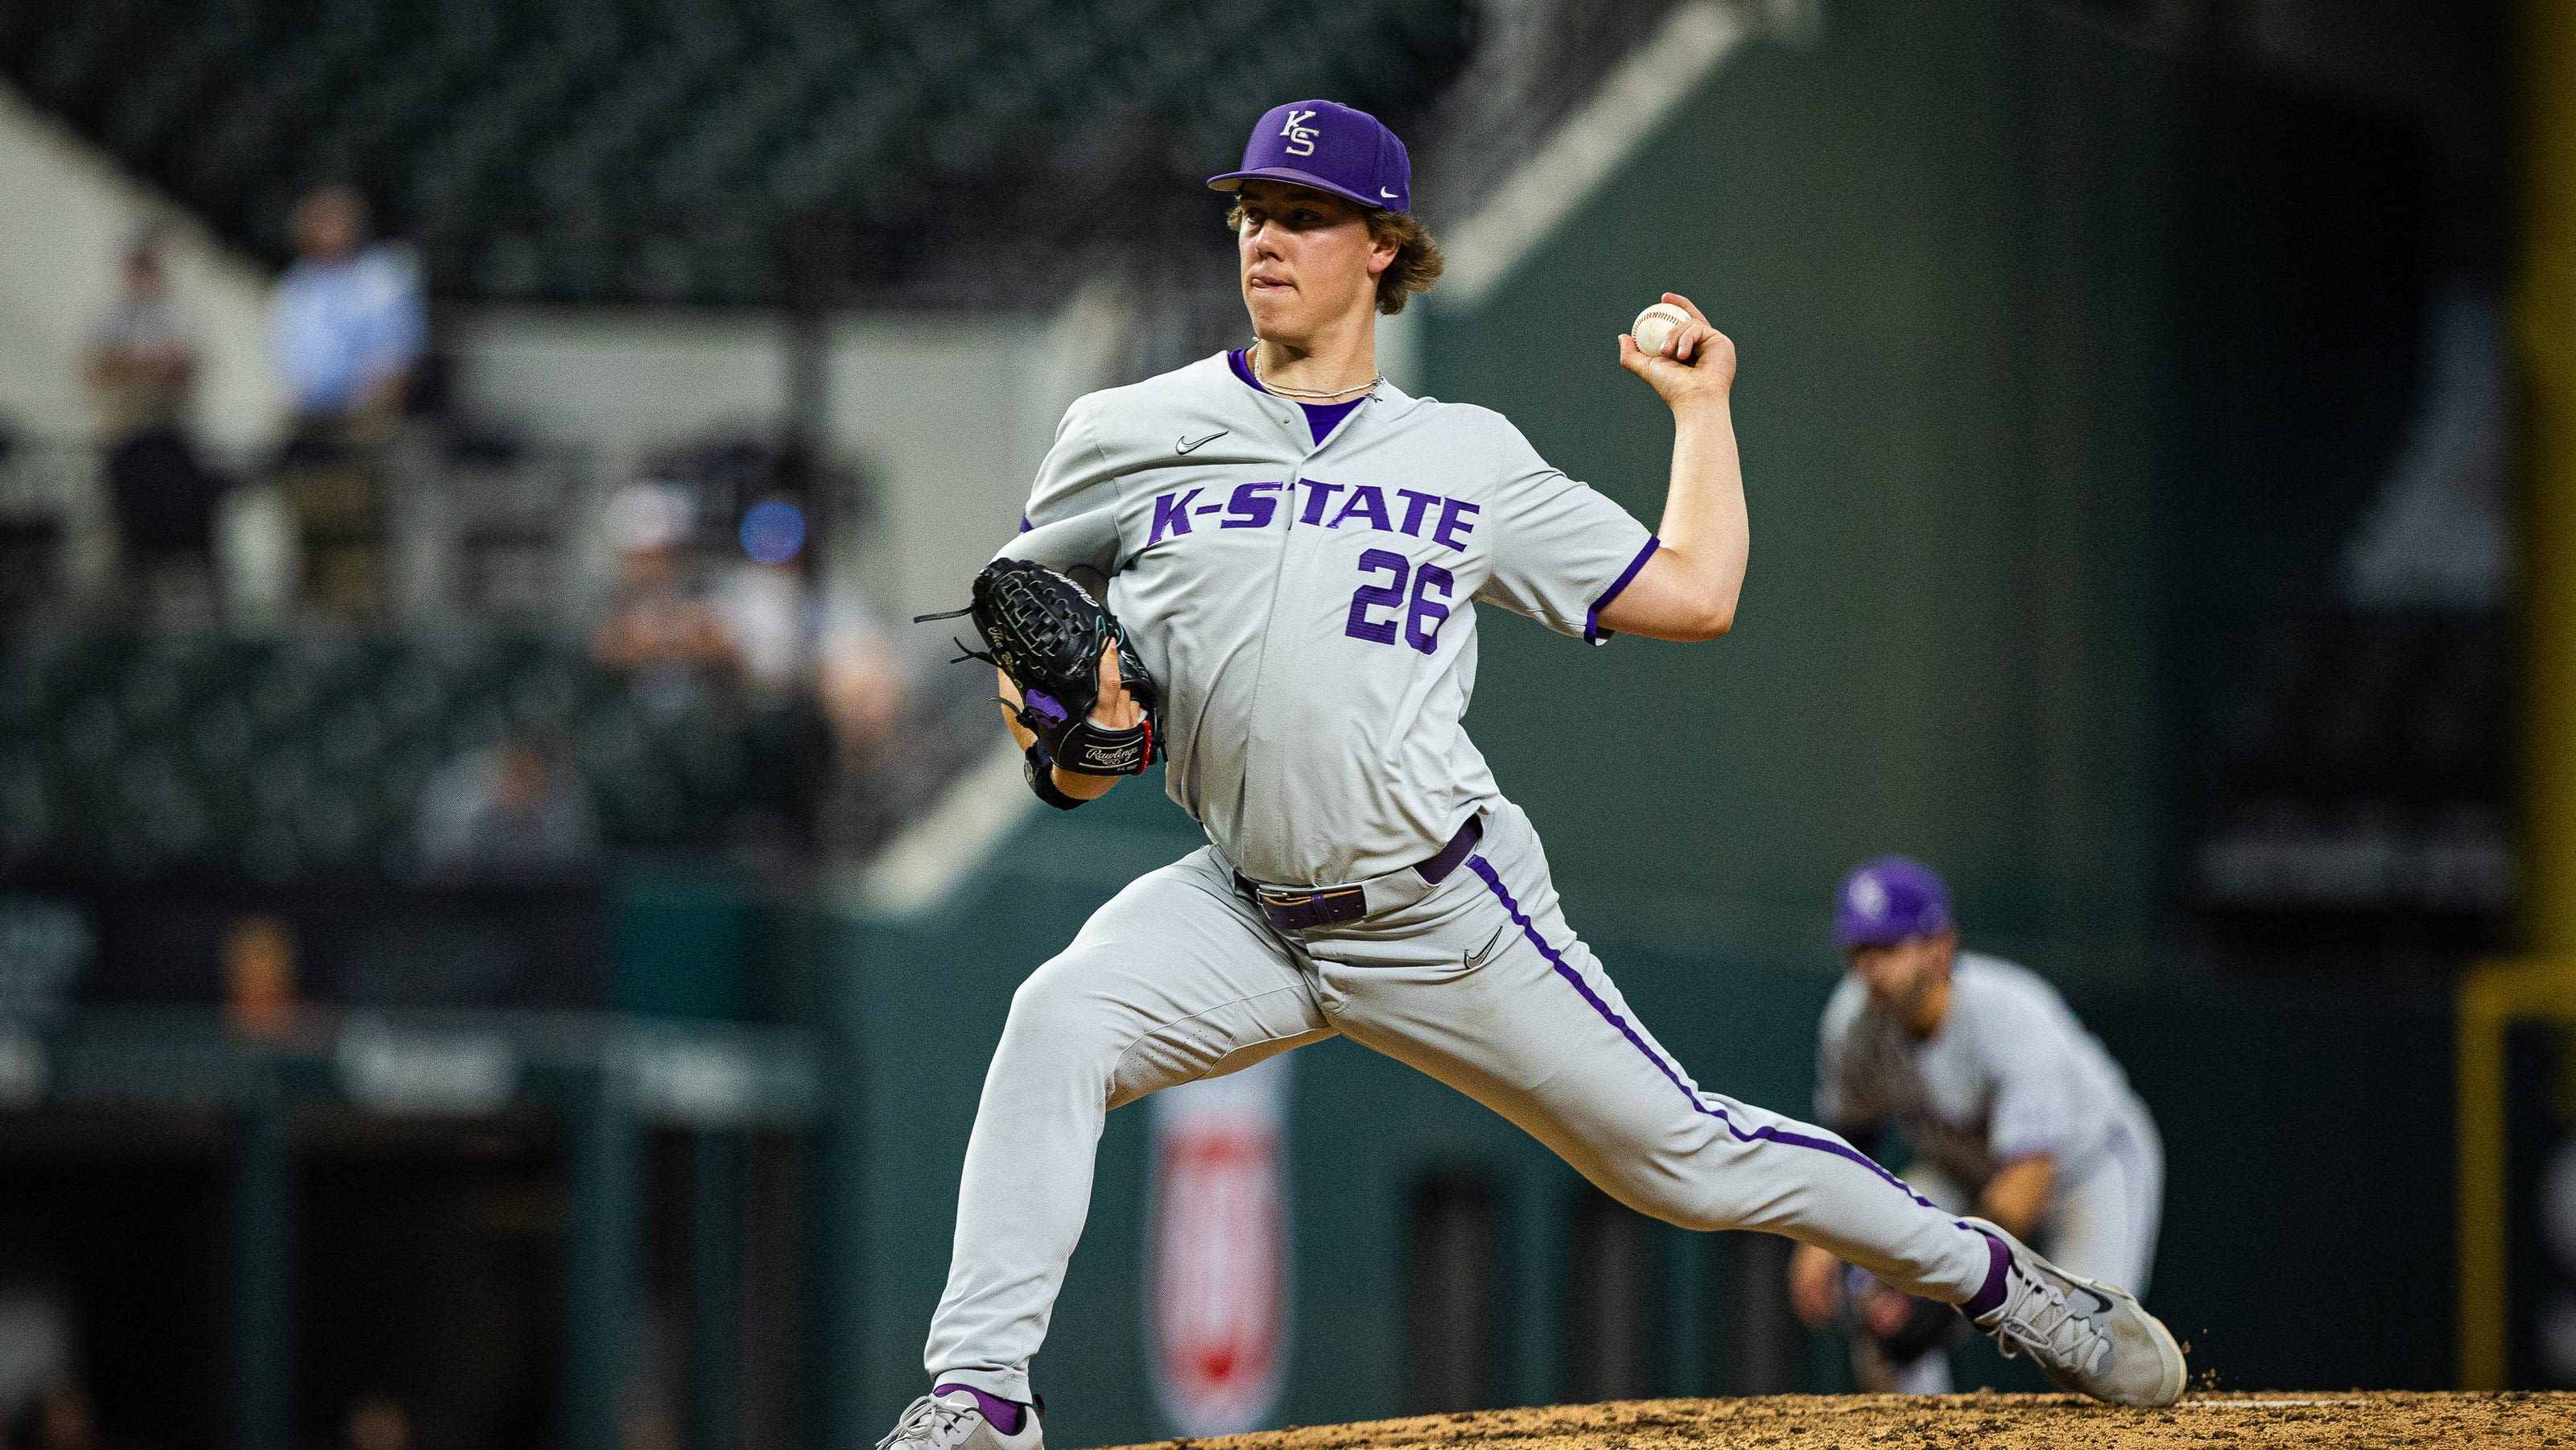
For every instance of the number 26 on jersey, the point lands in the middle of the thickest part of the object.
(1420, 615)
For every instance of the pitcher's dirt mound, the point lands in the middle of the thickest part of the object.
(1956, 1422)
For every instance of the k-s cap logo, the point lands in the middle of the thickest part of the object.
(1301, 137)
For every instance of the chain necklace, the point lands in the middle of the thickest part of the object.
(1252, 358)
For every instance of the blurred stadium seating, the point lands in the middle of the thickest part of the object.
(656, 150)
(282, 757)
(265, 759)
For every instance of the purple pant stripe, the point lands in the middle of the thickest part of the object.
(1494, 882)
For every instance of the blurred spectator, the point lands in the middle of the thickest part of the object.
(259, 976)
(63, 1419)
(659, 628)
(345, 332)
(508, 813)
(347, 327)
(35, 1358)
(861, 678)
(766, 605)
(377, 1421)
(821, 665)
(140, 363)
(141, 358)
(791, 635)
(45, 947)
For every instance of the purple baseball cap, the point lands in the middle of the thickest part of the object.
(1330, 147)
(1889, 900)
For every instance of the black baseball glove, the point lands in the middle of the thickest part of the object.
(1046, 633)
(1924, 1326)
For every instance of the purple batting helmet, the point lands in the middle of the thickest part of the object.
(1330, 147)
(1889, 900)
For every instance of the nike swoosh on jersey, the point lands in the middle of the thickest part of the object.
(1187, 444)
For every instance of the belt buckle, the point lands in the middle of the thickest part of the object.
(1298, 909)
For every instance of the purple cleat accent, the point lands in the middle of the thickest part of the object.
(1004, 1415)
(1990, 1297)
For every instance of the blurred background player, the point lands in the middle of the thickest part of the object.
(2014, 1113)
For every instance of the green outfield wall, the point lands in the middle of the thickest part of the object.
(1934, 235)
(2066, 366)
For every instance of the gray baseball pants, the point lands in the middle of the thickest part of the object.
(1477, 981)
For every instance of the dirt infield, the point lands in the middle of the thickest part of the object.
(1955, 1422)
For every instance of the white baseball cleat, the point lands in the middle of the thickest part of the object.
(954, 1421)
(2089, 1337)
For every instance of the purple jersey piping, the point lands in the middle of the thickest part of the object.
(1593, 633)
(1494, 883)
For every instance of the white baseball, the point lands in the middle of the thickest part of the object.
(1654, 325)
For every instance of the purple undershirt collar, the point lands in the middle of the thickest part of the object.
(1321, 418)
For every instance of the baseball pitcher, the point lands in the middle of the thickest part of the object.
(1288, 556)
(2014, 1111)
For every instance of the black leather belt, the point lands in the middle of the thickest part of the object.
(1301, 908)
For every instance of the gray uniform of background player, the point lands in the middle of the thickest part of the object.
(2010, 1073)
(1313, 727)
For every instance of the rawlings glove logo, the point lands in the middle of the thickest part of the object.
(1091, 750)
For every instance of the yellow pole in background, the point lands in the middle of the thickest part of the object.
(2491, 1000)
(2544, 344)
(2544, 363)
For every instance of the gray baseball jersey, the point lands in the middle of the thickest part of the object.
(1309, 607)
(2010, 1073)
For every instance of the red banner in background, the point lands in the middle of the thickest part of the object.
(1217, 1272)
